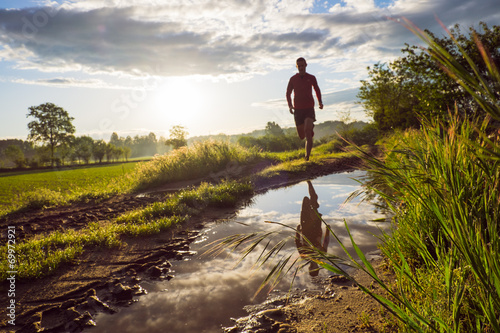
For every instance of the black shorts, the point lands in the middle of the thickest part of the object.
(300, 115)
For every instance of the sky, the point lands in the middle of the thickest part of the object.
(213, 66)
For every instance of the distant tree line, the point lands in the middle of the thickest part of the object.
(80, 150)
(397, 94)
(51, 141)
(276, 139)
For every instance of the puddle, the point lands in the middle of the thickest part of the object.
(207, 291)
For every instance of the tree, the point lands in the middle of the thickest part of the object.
(16, 155)
(442, 91)
(126, 151)
(178, 136)
(42, 156)
(274, 129)
(65, 150)
(99, 150)
(389, 97)
(112, 152)
(115, 140)
(83, 148)
(53, 126)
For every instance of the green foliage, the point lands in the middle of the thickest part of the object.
(272, 142)
(443, 183)
(83, 146)
(41, 256)
(443, 194)
(99, 150)
(16, 155)
(444, 91)
(368, 135)
(274, 129)
(191, 201)
(414, 86)
(51, 188)
(390, 96)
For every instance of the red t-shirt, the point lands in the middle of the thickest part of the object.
(302, 90)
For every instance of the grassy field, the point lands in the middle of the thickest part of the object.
(17, 185)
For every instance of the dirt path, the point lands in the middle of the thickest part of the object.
(102, 279)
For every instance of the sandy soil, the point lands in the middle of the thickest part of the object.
(103, 279)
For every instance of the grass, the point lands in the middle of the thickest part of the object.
(290, 163)
(43, 189)
(200, 160)
(443, 189)
(37, 189)
(330, 149)
(442, 249)
(191, 202)
(42, 255)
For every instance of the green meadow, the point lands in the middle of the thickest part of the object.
(17, 189)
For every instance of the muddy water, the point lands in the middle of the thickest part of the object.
(207, 291)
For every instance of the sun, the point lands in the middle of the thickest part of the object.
(179, 102)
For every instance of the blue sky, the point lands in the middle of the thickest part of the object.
(213, 66)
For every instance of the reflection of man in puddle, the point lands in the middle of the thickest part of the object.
(309, 232)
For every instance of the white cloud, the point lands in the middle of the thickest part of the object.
(70, 82)
(358, 6)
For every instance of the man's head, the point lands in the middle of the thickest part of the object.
(301, 65)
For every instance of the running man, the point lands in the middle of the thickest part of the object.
(303, 103)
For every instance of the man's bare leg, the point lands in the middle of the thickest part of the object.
(301, 131)
(308, 129)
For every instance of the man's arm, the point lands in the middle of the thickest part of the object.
(318, 93)
(298, 240)
(289, 95)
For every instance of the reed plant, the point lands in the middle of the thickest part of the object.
(443, 186)
(444, 247)
(444, 183)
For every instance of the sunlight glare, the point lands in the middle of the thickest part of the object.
(179, 102)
